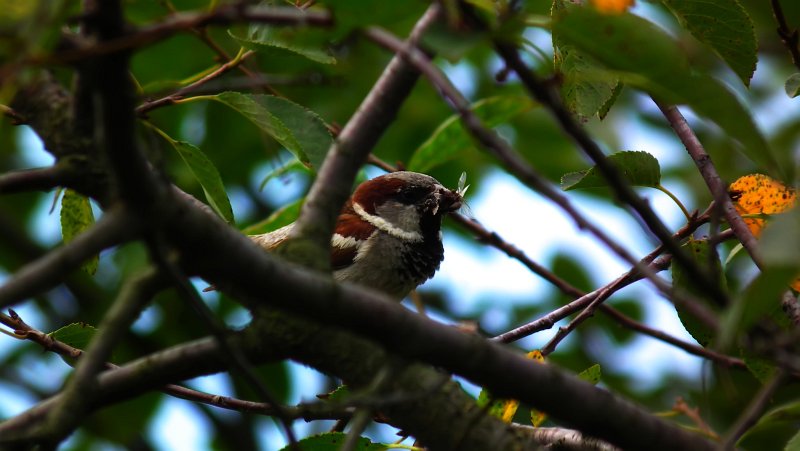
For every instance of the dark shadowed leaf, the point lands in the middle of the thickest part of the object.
(332, 441)
(661, 68)
(725, 26)
(705, 256)
(785, 414)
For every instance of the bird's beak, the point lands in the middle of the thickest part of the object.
(449, 200)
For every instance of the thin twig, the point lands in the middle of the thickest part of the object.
(621, 187)
(518, 166)
(757, 405)
(224, 15)
(600, 296)
(709, 173)
(581, 302)
(788, 36)
(39, 179)
(16, 118)
(237, 361)
(142, 109)
(308, 412)
(706, 353)
(78, 394)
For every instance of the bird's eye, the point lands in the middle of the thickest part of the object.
(410, 195)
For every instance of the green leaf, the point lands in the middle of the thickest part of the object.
(760, 299)
(591, 374)
(792, 85)
(339, 394)
(76, 217)
(638, 167)
(496, 405)
(725, 26)
(780, 242)
(207, 175)
(662, 69)
(587, 87)
(606, 107)
(779, 246)
(279, 218)
(332, 441)
(785, 414)
(77, 335)
(273, 43)
(761, 369)
(299, 130)
(705, 256)
(450, 139)
(794, 443)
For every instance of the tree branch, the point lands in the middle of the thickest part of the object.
(48, 271)
(144, 108)
(753, 411)
(351, 148)
(223, 15)
(79, 391)
(715, 184)
(504, 372)
(524, 172)
(788, 36)
(546, 96)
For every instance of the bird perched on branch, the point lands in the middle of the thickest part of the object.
(388, 235)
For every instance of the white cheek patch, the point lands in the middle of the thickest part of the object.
(344, 242)
(386, 226)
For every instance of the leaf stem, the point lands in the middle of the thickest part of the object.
(675, 199)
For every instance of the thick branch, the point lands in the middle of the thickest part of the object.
(504, 372)
(113, 228)
(79, 391)
(527, 174)
(354, 143)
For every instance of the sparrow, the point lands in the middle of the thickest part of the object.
(388, 235)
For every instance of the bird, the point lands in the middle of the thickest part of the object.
(388, 234)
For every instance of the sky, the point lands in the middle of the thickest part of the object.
(475, 277)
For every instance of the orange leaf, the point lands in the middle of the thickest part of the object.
(759, 194)
(755, 194)
(612, 6)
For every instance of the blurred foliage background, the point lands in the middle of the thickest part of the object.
(244, 157)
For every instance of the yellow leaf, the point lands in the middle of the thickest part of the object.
(505, 409)
(756, 194)
(509, 409)
(537, 417)
(612, 6)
